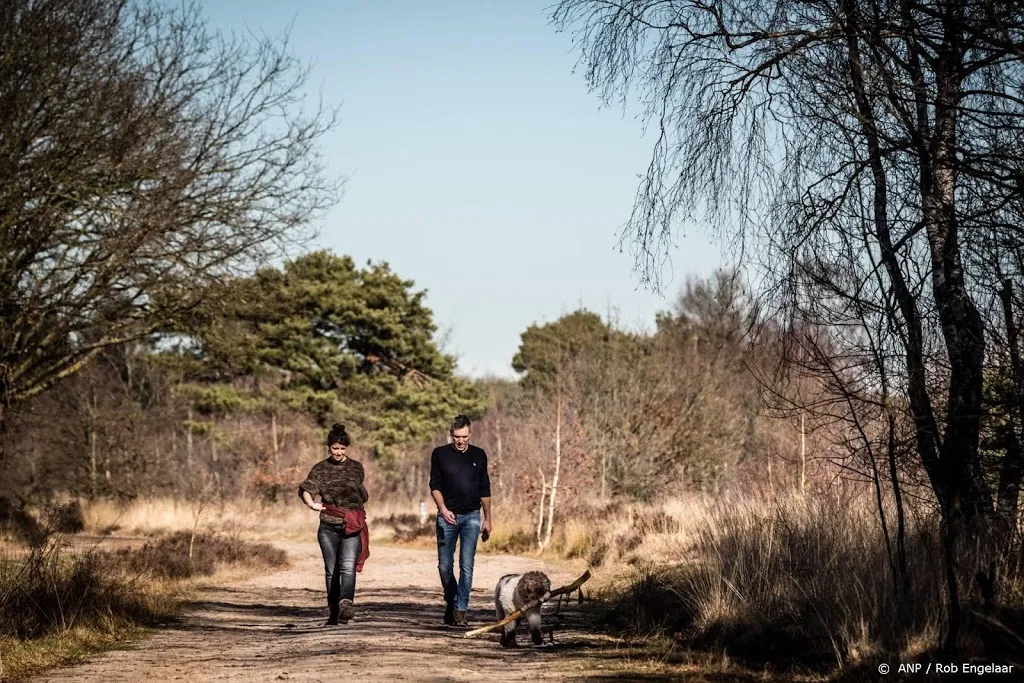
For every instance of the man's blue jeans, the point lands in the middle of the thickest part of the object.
(467, 531)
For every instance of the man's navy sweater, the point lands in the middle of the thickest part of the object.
(460, 477)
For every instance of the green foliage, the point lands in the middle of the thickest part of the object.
(324, 321)
(323, 338)
(397, 412)
(647, 413)
(218, 399)
(546, 348)
(997, 423)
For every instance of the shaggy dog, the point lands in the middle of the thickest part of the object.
(515, 591)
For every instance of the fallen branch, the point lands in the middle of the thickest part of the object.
(539, 601)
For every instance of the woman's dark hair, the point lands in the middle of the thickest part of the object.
(338, 435)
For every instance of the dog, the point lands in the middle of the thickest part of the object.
(515, 591)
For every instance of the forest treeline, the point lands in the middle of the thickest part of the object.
(235, 399)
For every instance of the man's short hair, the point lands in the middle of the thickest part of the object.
(459, 422)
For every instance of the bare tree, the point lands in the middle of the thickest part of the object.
(143, 157)
(858, 147)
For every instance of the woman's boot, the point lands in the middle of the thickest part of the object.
(347, 611)
(332, 620)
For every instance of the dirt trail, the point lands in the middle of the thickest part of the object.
(271, 628)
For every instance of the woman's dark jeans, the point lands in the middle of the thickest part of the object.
(340, 555)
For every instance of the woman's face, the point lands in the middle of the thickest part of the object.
(338, 451)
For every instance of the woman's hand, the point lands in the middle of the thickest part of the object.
(307, 498)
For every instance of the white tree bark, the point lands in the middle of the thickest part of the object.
(558, 463)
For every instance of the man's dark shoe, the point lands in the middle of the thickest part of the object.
(346, 612)
(449, 614)
(332, 620)
(460, 618)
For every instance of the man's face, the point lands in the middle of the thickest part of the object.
(460, 438)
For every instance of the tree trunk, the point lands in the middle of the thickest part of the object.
(558, 464)
(214, 458)
(188, 440)
(3, 431)
(33, 464)
(605, 450)
(414, 478)
(882, 517)
(917, 381)
(803, 455)
(1010, 472)
(498, 441)
(958, 479)
(953, 468)
(901, 521)
(604, 474)
(274, 444)
(540, 509)
(93, 451)
(498, 463)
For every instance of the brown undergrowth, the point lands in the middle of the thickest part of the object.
(60, 601)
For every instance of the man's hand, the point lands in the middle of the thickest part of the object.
(316, 506)
(485, 530)
(448, 515)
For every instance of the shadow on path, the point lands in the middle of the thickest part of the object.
(272, 628)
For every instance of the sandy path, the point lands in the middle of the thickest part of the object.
(271, 628)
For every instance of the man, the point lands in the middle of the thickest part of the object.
(461, 489)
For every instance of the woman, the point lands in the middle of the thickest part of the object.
(343, 535)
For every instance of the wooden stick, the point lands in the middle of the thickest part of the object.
(518, 613)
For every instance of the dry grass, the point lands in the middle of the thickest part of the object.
(57, 605)
(752, 584)
(796, 584)
(19, 658)
(792, 583)
(510, 537)
(246, 520)
(180, 556)
(593, 532)
(606, 535)
(47, 591)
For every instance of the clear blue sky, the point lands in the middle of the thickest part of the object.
(478, 164)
